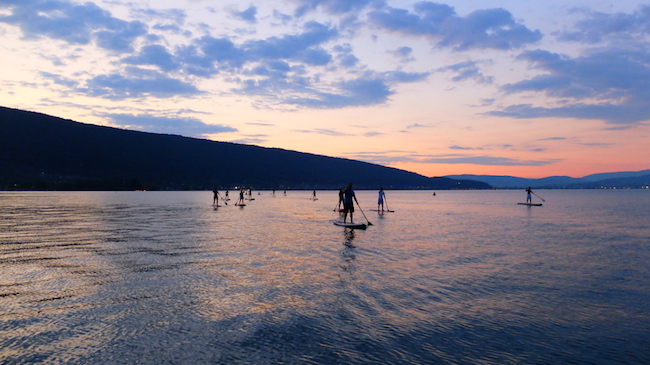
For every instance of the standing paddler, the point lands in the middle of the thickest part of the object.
(380, 199)
(348, 204)
(529, 198)
(215, 199)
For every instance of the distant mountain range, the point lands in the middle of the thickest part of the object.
(41, 152)
(633, 180)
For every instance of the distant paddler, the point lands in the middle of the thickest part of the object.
(380, 200)
(215, 199)
(241, 198)
(340, 200)
(529, 198)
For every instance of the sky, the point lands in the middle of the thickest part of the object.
(518, 88)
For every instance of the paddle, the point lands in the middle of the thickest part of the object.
(222, 199)
(539, 197)
(364, 214)
(387, 208)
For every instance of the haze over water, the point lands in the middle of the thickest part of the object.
(463, 277)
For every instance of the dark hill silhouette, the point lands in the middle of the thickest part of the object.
(41, 152)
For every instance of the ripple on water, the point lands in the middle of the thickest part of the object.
(164, 278)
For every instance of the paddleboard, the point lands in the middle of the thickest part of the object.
(385, 211)
(216, 206)
(240, 205)
(351, 225)
(531, 204)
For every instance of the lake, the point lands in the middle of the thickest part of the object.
(463, 277)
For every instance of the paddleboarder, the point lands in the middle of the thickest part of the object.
(380, 199)
(215, 199)
(348, 204)
(529, 198)
(340, 200)
(241, 198)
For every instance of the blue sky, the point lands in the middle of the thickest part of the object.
(492, 87)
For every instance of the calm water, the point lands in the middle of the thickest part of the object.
(459, 278)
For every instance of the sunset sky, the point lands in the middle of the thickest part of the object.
(509, 87)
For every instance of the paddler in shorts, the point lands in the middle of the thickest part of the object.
(348, 204)
(529, 198)
(380, 199)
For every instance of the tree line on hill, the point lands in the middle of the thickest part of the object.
(42, 152)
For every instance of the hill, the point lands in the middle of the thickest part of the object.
(41, 152)
(633, 180)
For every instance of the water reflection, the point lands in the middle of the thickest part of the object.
(349, 237)
(469, 278)
(348, 252)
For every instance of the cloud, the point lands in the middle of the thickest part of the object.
(179, 126)
(405, 77)
(596, 144)
(299, 47)
(614, 114)
(467, 71)
(59, 80)
(357, 92)
(608, 85)
(383, 157)
(155, 55)
(333, 6)
(391, 157)
(485, 160)
(553, 139)
(412, 126)
(481, 29)
(597, 27)
(261, 124)
(283, 18)
(137, 83)
(327, 132)
(456, 147)
(248, 15)
(254, 141)
(175, 16)
(73, 23)
(405, 54)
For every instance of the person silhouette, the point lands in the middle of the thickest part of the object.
(380, 199)
(348, 204)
